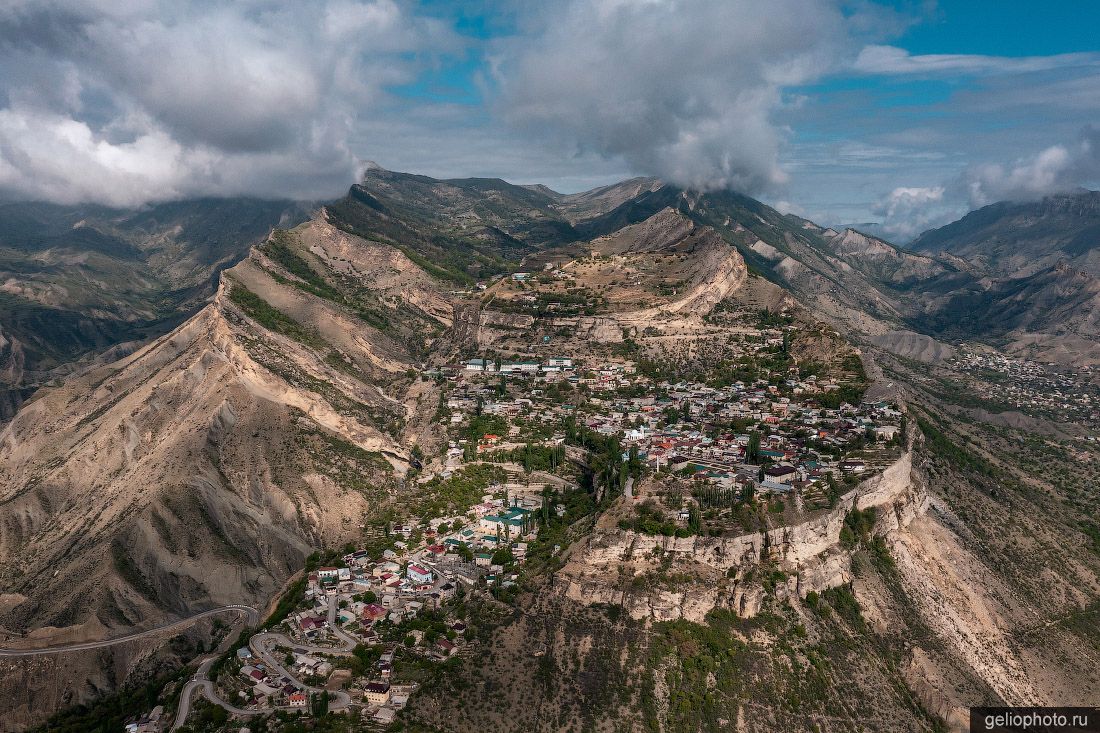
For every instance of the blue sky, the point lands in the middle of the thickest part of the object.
(916, 139)
(845, 111)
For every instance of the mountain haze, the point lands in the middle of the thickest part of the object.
(78, 280)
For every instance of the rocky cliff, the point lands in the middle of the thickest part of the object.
(809, 554)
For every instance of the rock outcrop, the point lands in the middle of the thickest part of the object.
(726, 570)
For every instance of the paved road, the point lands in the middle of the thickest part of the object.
(261, 645)
(251, 614)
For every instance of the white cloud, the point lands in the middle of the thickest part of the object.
(909, 210)
(897, 61)
(1055, 169)
(684, 90)
(125, 102)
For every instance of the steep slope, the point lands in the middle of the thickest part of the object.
(590, 204)
(1021, 277)
(75, 281)
(1027, 277)
(203, 468)
(459, 229)
(1019, 239)
(281, 418)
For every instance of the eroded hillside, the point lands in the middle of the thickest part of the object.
(313, 403)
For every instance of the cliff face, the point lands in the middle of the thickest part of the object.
(809, 553)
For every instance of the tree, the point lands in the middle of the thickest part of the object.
(694, 523)
(752, 453)
(320, 704)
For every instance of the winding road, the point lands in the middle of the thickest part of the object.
(261, 645)
(252, 617)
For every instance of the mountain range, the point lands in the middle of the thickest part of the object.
(80, 280)
(202, 394)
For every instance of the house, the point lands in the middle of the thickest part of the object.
(419, 575)
(480, 365)
(446, 647)
(384, 568)
(511, 523)
(373, 612)
(886, 432)
(781, 474)
(560, 361)
(527, 367)
(378, 693)
(311, 623)
(252, 673)
(483, 559)
(262, 689)
(329, 574)
(297, 700)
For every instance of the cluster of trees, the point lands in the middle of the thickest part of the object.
(857, 527)
(531, 457)
(609, 468)
(441, 497)
(752, 451)
(710, 496)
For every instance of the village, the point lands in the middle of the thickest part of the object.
(1056, 392)
(532, 446)
(793, 439)
(361, 631)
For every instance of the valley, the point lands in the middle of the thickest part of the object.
(670, 459)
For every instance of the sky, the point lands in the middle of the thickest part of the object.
(906, 113)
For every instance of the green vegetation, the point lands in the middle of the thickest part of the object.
(531, 457)
(280, 248)
(287, 603)
(607, 468)
(108, 714)
(767, 318)
(440, 497)
(484, 424)
(272, 318)
(857, 527)
(651, 520)
(940, 445)
(844, 602)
